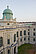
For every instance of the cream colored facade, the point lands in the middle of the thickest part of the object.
(9, 29)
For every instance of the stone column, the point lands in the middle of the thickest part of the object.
(12, 50)
(22, 36)
(16, 49)
(19, 38)
(12, 41)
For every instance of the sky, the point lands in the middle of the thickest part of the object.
(23, 10)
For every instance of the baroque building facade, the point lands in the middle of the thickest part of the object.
(14, 34)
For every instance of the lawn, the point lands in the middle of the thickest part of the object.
(23, 48)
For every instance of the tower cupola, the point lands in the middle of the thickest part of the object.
(8, 13)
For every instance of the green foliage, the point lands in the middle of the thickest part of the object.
(22, 49)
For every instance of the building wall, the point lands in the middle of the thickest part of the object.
(7, 32)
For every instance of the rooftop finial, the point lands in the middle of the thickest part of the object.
(7, 7)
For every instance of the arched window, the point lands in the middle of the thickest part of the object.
(8, 41)
(1, 41)
(17, 34)
(8, 51)
(20, 33)
(14, 37)
(34, 29)
(15, 50)
(24, 38)
(33, 39)
(24, 32)
(28, 38)
(21, 40)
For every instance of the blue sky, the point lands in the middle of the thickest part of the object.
(23, 10)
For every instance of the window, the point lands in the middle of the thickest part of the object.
(28, 38)
(34, 29)
(33, 39)
(8, 51)
(20, 33)
(24, 38)
(14, 37)
(24, 32)
(1, 41)
(28, 29)
(8, 41)
(1, 52)
(7, 23)
(20, 40)
(17, 34)
(34, 34)
(28, 33)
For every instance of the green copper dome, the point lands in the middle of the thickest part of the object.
(8, 13)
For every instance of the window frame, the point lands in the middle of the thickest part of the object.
(20, 33)
(24, 32)
(8, 41)
(1, 41)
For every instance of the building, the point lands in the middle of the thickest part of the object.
(14, 34)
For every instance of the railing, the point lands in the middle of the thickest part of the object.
(8, 47)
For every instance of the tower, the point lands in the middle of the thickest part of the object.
(7, 13)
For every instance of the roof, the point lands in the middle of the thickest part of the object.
(7, 11)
